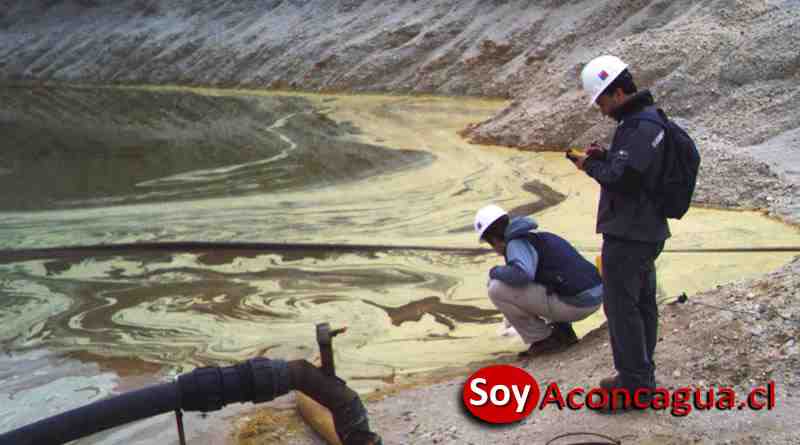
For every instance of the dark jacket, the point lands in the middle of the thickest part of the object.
(550, 260)
(631, 168)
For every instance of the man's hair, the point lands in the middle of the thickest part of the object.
(497, 230)
(624, 81)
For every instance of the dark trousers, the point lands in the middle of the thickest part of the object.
(629, 302)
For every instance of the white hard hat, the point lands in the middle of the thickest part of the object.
(486, 216)
(599, 73)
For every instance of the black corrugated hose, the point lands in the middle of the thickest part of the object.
(208, 389)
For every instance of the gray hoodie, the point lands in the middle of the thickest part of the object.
(522, 261)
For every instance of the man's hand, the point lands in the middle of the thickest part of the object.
(596, 151)
(491, 272)
(577, 158)
(593, 151)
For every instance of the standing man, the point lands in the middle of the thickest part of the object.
(544, 278)
(633, 225)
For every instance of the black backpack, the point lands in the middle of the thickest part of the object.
(679, 170)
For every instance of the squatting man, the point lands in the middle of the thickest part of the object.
(544, 278)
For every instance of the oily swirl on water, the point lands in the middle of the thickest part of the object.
(180, 311)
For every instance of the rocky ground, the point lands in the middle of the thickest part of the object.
(758, 185)
(728, 69)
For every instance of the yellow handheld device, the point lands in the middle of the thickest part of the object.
(573, 154)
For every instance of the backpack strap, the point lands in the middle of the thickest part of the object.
(663, 123)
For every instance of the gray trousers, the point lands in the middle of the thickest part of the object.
(526, 308)
(629, 282)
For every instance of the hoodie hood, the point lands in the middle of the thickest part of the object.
(519, 227)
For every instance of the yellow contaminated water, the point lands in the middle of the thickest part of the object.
(431, 123)
(428, 205)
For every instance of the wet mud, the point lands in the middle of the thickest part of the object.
(123, 146)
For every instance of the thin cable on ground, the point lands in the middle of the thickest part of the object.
(682, 298)
(739, 311)
(611, 440)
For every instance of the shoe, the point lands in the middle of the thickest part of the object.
(564, 333)
(549, 344)
(614, 382)
(610, 382)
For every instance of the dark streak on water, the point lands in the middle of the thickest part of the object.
(443, 313)
(547, 197)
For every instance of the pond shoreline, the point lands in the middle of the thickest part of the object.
(425, 389)
(414, 414)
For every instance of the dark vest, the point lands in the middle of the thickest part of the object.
(560, 266)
